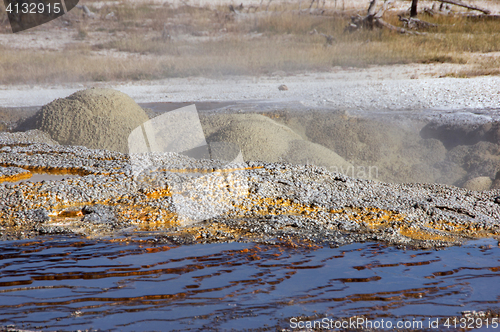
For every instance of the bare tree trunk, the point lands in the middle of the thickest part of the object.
(461, 4)
(371, 14)
(268, 4)
(371, 9)
(413, 12)
(374, 19)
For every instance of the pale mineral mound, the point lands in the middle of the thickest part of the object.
(96, 118)
(263, 139)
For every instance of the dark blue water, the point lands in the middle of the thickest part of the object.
(134, 285)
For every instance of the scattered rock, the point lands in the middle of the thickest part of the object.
(99, 214)
(480, 159)
(496, 181)
(27, 137)
(478, 184)
(38, 215)
(279, 73)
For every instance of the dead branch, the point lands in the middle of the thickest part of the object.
(86, 11)
(385, 6)
(310, 10)
(465, 5)
(329, 38)
(317, 4)
(383, 24)
(373, 19)
(165, 34)
(236, 10)
(367, 22)
(268, 4)
(415, 23)
(371, 8)
(429, 11)
(317, 12)
(255, 8)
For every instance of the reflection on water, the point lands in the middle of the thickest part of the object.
(72, 283)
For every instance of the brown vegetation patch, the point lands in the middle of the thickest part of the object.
(135, 41)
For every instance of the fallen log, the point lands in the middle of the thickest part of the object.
(415, 23)
(465, 5)
(383, 24)
(86, 11)
(329, 38)
(358, 21)
(374, 19)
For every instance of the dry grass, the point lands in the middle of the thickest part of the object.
(217, 42)
(75, 66)
(482, 66)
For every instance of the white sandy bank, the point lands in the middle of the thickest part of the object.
(364, 90)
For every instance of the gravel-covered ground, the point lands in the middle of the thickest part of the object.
(199, 201)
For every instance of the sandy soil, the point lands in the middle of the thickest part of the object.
(412, 86)
(59, 38)
(333, 4)
(376, 88)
